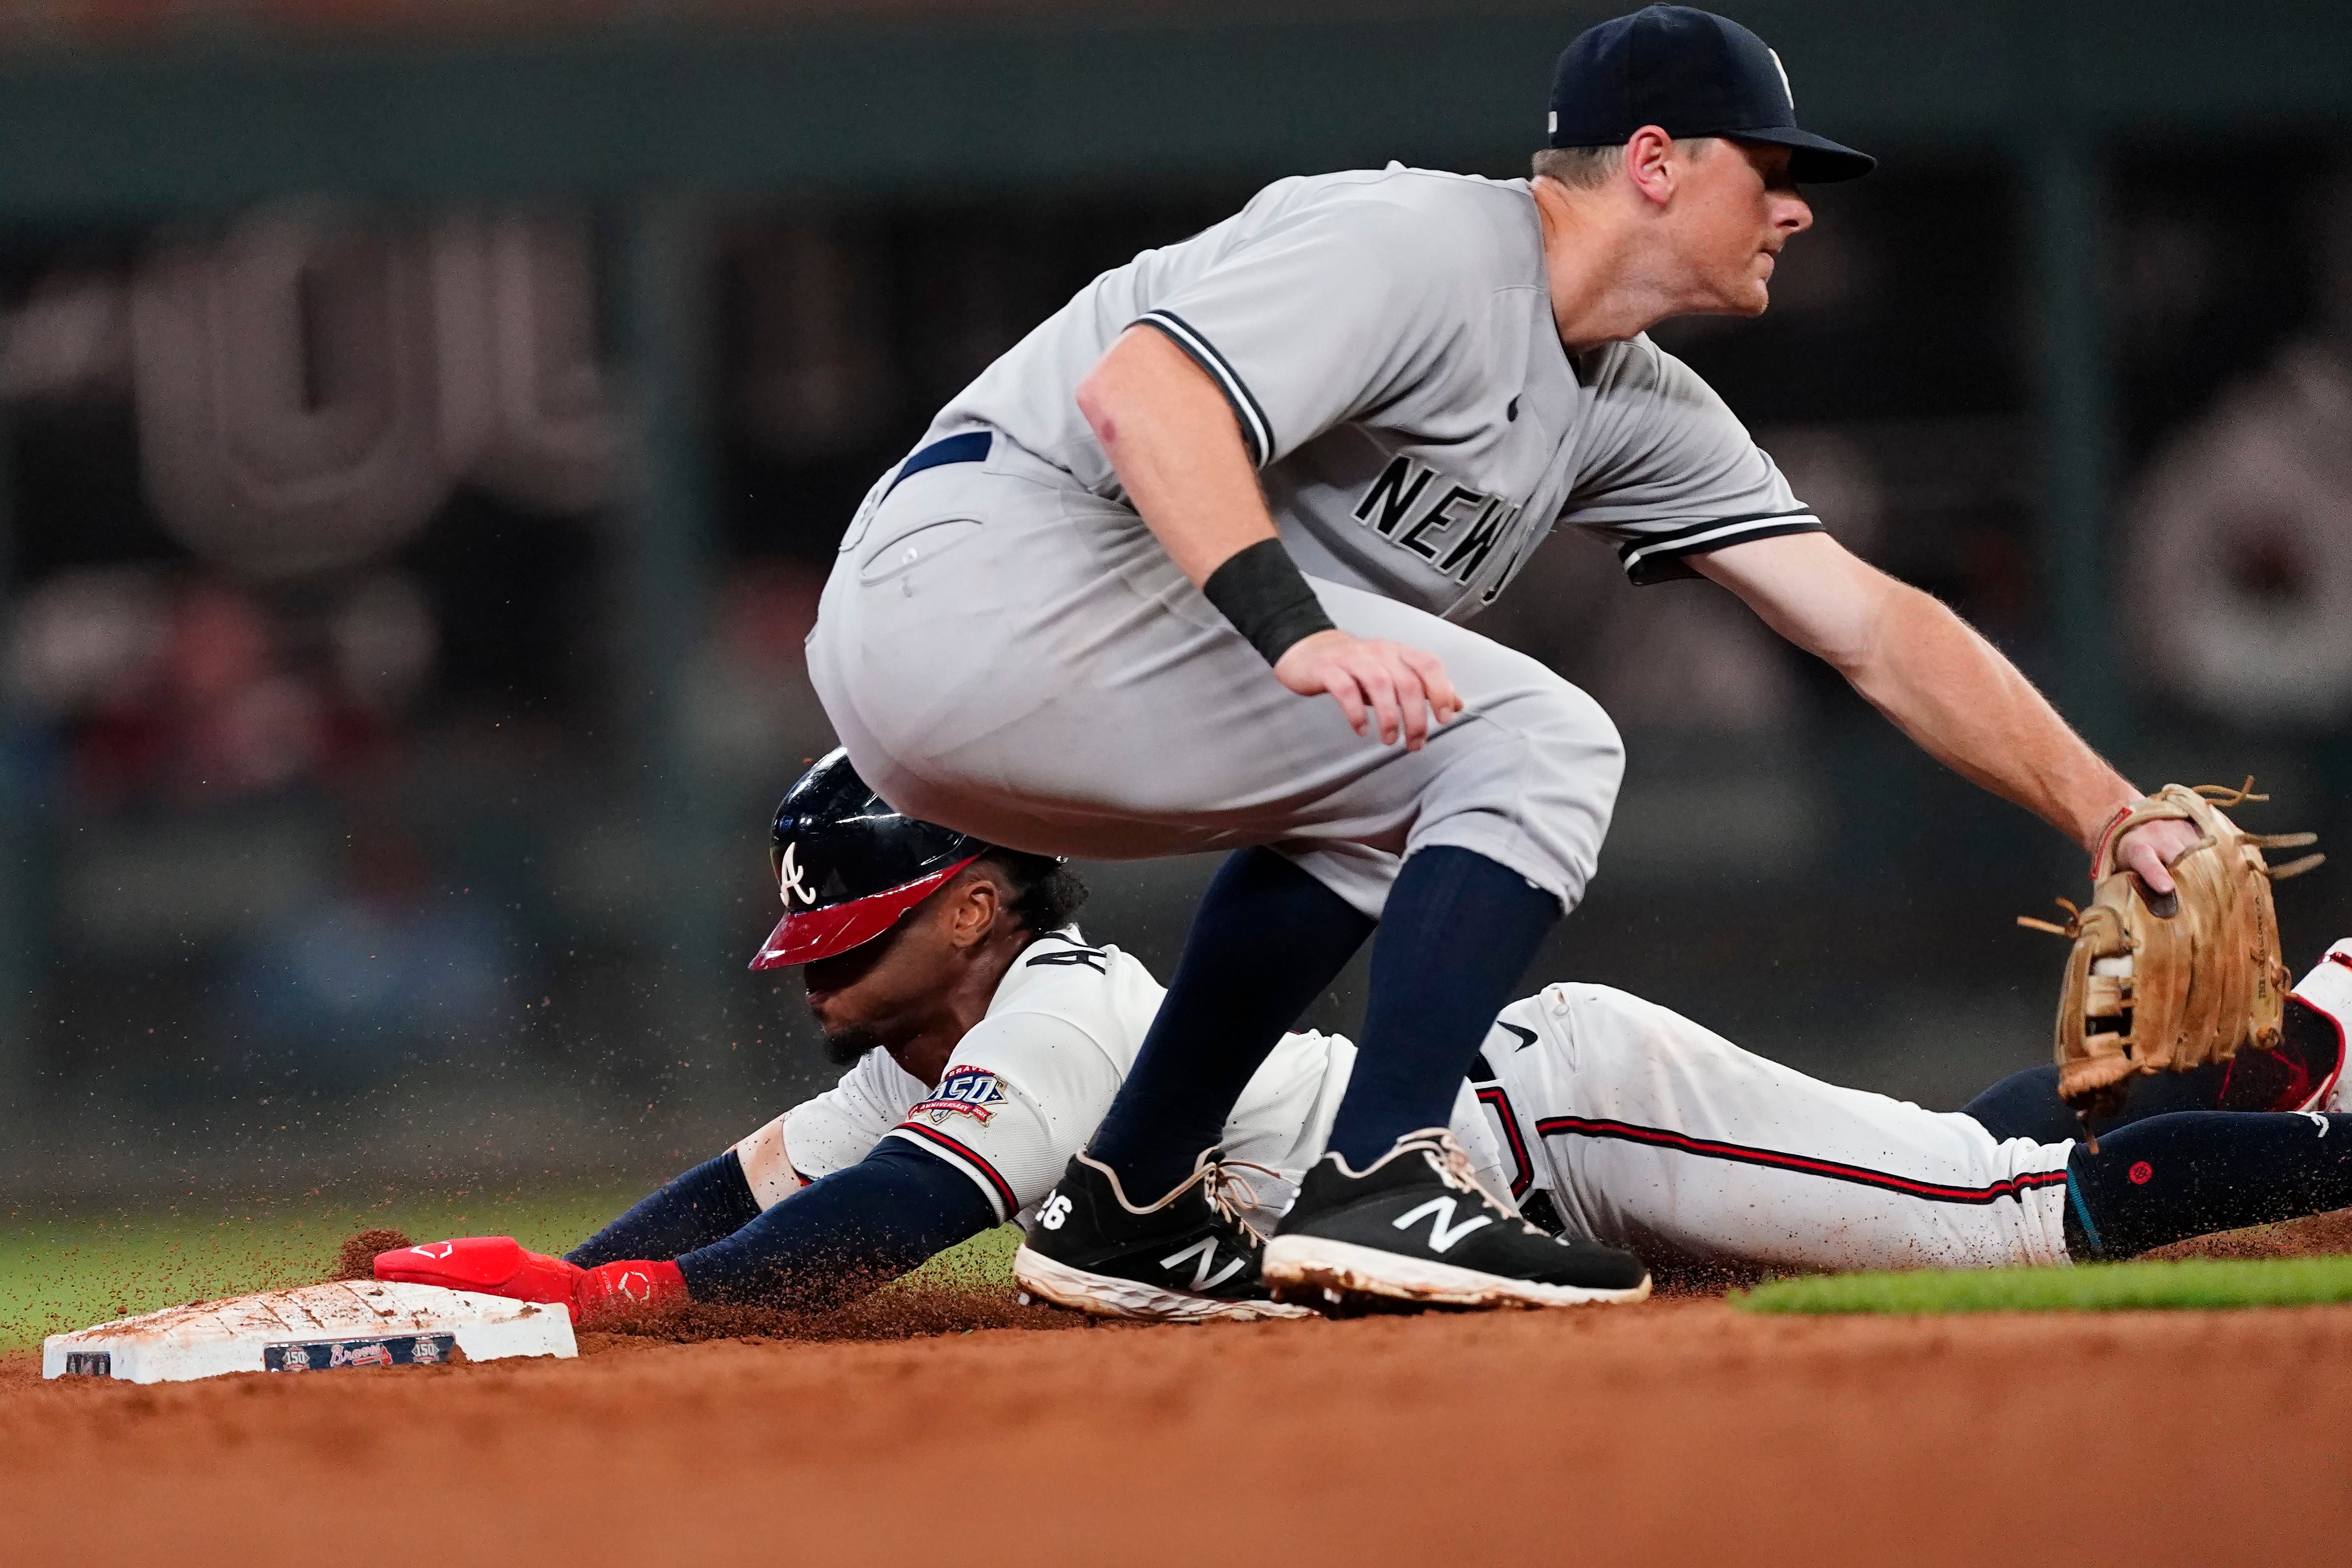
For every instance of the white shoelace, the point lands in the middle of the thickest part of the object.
(1452, 1163)
(1228, 1192)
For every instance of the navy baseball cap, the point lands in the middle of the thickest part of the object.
(1690, 73)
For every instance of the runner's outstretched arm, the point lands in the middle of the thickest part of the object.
(830, 1243)
(840, 1237)
(707, 1204)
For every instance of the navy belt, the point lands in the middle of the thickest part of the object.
(971, 447)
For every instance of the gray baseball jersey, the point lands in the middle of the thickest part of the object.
(1387, 343)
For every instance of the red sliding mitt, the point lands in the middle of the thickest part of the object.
(501, 1265)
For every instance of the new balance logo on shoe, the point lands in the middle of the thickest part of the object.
(1443, 1232)
(1053, 1211)
(1202, 1280)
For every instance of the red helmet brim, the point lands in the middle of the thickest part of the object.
(811, 934)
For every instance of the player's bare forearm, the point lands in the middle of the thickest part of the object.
(1927, 670)
(1171, 439)
(1965, 703)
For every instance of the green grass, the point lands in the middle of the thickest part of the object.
(69, 1271)
(2190, 1284)
(985, 1261)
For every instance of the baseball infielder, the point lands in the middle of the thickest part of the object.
(1091, 611)
(985, 1038)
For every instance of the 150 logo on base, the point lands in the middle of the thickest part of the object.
(420, 1350)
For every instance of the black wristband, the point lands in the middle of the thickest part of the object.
(1261, 590)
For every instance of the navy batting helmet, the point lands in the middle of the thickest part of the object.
(848, 864)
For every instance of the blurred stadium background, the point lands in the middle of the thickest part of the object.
(423, 428)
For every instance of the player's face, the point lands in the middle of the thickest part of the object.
(1736, 207)
(881, 992)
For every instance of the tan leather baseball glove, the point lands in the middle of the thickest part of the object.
(2189, 980)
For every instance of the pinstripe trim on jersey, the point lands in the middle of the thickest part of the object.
(1801, 1164)
(1523, 1171)
(1256, 428)
(999, 1190)
(1655, 558)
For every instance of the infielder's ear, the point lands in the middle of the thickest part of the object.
(1650, 163)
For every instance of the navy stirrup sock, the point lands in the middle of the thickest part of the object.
(1458, 934)
(2193, 1173)
(2026, 1104)
(1267, 941)
(711, 1201)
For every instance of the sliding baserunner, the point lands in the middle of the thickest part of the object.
(983, 1039)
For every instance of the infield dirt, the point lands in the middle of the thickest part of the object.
(1679, 1431)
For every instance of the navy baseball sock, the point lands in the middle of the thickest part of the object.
(711, 1201)
(2026, 1104)
(1267, 939)
(2171, 1177)
(1458, 932)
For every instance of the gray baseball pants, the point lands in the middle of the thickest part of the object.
(1008, 654)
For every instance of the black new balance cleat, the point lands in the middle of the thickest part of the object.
(1417, 1227)
(1183, 1259)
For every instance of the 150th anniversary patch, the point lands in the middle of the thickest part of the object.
(964, 1091)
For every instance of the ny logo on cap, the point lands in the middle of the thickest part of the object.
(1785, 88)
(788, 879)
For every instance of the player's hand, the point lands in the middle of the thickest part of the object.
(487, 1265)
(501, 1265)
(2147, 851)
(1398, 689)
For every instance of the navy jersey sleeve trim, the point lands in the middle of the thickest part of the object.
(998, 1191)
(1665, 557)
(1257, 432)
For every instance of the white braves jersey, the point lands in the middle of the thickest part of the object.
(1026, 1088)
(1386, 340)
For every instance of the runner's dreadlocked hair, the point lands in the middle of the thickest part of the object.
(1042, 893)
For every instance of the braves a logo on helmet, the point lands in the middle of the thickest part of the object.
(964, 1091)
(789, 882)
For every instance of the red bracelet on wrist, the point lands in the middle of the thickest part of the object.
(2099, 844)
